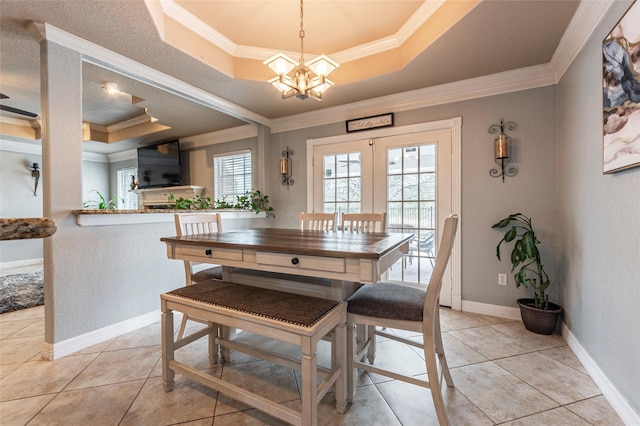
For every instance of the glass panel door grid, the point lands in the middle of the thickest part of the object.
(342, 183)
(411, 208)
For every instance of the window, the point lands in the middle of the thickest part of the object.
(126, 199)
(231, 175)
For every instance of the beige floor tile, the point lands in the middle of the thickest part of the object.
(557, 416)
(458, 353)
(397, 357)
(117, 367)
(20, 349)
(42, 377)
(35, 329)
(516, 331)
(368, 408)
(8, 368)
(597, 411)
(565, 355)
(491, 343)
(97, 406)
(413, 405)
(31, 313)
(10, 328)
(188, 401)
(456, 320)
(21, 411)
(498, 393)
(97, 348)
(263, 378)
(146, 336)
(559, 382)
(489, 320)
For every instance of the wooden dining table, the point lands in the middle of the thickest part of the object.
(329, 264)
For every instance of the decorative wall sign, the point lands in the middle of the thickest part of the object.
(367, 123)
(621, 93)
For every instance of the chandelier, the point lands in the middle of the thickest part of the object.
(301, 79)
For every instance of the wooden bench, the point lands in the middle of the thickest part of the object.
(291, 318)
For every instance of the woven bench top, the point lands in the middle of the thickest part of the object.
(291, 308)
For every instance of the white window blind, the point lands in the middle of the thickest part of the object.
(126, 199)
(231, 175)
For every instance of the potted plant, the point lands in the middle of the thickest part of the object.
(103, 204)
(538, 314)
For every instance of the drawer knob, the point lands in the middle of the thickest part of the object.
(295, 261)
(208, 252)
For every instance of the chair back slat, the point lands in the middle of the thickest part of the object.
(364, 222)
(318, 221)
(197, 223)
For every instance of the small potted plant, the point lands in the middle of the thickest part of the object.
(538, 314)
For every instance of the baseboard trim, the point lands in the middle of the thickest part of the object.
(58, 350)
(7, 267)
(626, 412)
(492, 310)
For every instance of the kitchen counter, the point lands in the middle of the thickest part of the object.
(26, 228)
(96, 217)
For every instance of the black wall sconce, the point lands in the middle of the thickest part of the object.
(285, 168)
(35, 172)
(502, 149)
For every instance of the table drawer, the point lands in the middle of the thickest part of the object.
(296, 262)
(206, 253)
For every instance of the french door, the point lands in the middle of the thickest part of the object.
(406, 175)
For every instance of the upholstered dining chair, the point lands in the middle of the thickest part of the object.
(318, 221)
(402, 307)
(197, 223)
(364, 222)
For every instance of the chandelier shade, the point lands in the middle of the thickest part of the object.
(301, 79)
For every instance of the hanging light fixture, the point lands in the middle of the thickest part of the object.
(300, 79)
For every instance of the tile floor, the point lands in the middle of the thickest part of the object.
(502, 373)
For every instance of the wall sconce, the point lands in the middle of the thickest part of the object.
(285, 168)
(501, 149)
(36, 174)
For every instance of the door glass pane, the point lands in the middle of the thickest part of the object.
(411, 201)
(342, 183)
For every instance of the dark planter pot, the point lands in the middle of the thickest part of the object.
(540, 321)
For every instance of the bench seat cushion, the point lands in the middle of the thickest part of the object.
(291, 308)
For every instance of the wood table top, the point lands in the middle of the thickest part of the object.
(295, 241)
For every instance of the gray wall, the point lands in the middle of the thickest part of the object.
(485, 200)
(598, 229)
(17, 200)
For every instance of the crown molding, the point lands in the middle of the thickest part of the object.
(95, 157)
(584, 22)
(220, 136)
(105, 58)
(130, 154)
(176, 12)
(20, 147)
(491, 85)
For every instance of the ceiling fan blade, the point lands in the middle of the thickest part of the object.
(3, 96)
(18, 111)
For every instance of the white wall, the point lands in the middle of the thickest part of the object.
(599, 227)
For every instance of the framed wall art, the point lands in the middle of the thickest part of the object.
(367, 123)
(621, 93)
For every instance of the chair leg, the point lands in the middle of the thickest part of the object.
(351, 369)
(444, 367)
(183, 326)
(371, 336)
(434, 380)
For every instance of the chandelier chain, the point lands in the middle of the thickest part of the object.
(301, 33)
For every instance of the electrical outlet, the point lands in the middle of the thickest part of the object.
(502, 279)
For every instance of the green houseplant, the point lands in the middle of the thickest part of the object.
(538, 314)
(103, 204)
